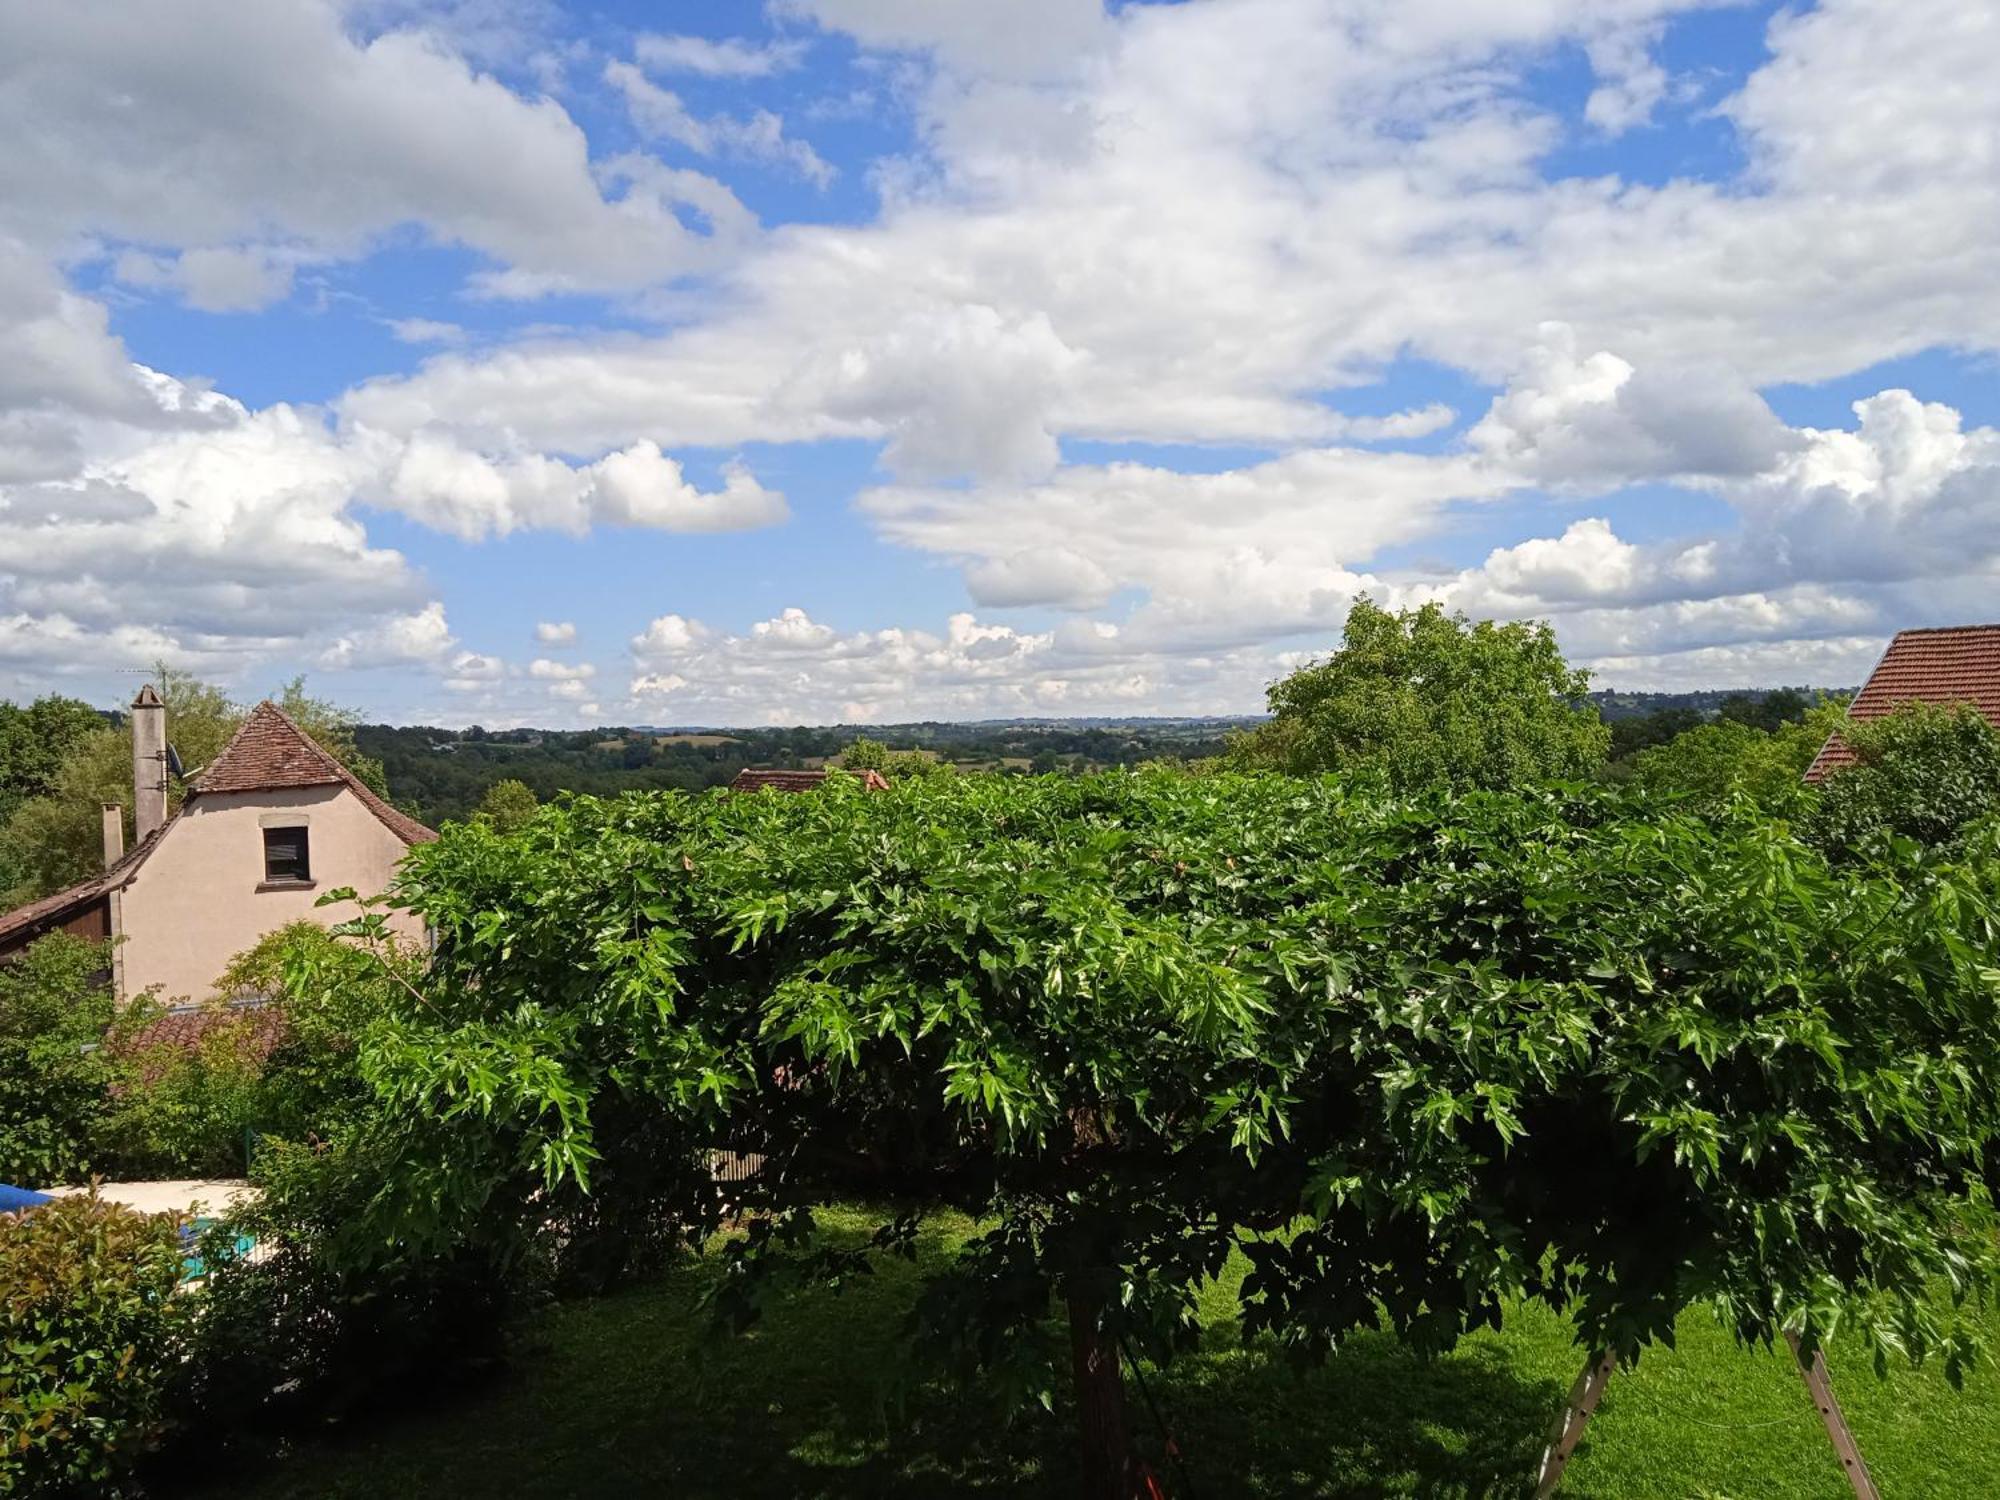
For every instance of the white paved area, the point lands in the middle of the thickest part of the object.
(180, 1196)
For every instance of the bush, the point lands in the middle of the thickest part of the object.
(87, 1327)
(182, 1108)
(327, 1317)
(54, 1078)
(1924, 772)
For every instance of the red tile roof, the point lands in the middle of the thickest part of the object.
(1957, 664)
(269, 752)
(255, 1026)
(52, 910)
(797, 781)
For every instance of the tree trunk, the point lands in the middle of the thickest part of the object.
(1108, 1470)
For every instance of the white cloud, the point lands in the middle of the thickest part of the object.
(727, 57)
(457, 490)
(556, 633)
(760, 136)
(425, 331)
(134, 125)
(1016, 38)
(423, 637)
(556, 671)
(668, 637)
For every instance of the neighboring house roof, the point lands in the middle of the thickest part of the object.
(267, 753)
(1956, 664)
(271, 753)
(257, 1027)
(797, 781)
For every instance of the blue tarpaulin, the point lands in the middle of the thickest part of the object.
(13, 1199)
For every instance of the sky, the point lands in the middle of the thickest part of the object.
(807, 361)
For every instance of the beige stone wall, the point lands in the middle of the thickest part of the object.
(195, 902)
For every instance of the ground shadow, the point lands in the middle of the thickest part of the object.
(630, 1394)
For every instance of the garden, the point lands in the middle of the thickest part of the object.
(1261, 1130)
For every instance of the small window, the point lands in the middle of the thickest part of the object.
(285, 860)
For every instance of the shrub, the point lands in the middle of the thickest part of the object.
(185, 1096)
(87, 1325)
(326, 1317)
(54, 1007)
(1924, 772)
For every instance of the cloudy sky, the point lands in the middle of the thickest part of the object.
(708, 361)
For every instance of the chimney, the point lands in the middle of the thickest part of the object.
(149, 763)
(114, 833)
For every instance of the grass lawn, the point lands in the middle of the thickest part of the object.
(628, 1395)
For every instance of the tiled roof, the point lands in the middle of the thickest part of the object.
(796, 781)
(269, 752)
(53, 909)
(1958, 664)
(258, 1027)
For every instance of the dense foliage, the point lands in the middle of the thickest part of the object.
(1415, 1057)
(443, 774)
(55, 1078)
(1711, 762)
(87, 1330)
(1427, 699)
(1923, 772)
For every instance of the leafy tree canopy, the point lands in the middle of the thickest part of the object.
(1925, 772)
(1412, 1057)
(1423, 698)
(895, 765)
(508, 805)
(1711, 762)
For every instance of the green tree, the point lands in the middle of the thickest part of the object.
(34, 742)
(1414, 1058)
(1925, 772)
(865, 754)
(508, 805)
(1424, 698)
(1710, 762)
(54, 1078)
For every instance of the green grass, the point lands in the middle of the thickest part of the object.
(629, 1395)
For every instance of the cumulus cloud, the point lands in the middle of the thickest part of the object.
(423, 637)
(133, 125)
(556, 633)
(458, 490)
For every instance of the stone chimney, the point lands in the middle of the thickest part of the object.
(114, 832)
(149, 763)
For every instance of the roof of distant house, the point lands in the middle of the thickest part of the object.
(1955, 664)
(267, 753)
(798, 781)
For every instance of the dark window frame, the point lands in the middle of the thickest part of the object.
(293, 848)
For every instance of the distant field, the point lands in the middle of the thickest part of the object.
(696, 739)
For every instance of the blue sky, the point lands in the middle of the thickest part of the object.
(823, 360)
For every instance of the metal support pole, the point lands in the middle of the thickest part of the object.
(1815, 1376)
(1583, 1399)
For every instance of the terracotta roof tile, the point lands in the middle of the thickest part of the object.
(269, 752)
(54, 908)
(258, 1027)
(796, 781)
(1957, 664)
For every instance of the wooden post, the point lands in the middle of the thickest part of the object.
(1583, 1399)
(1815, 1376)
